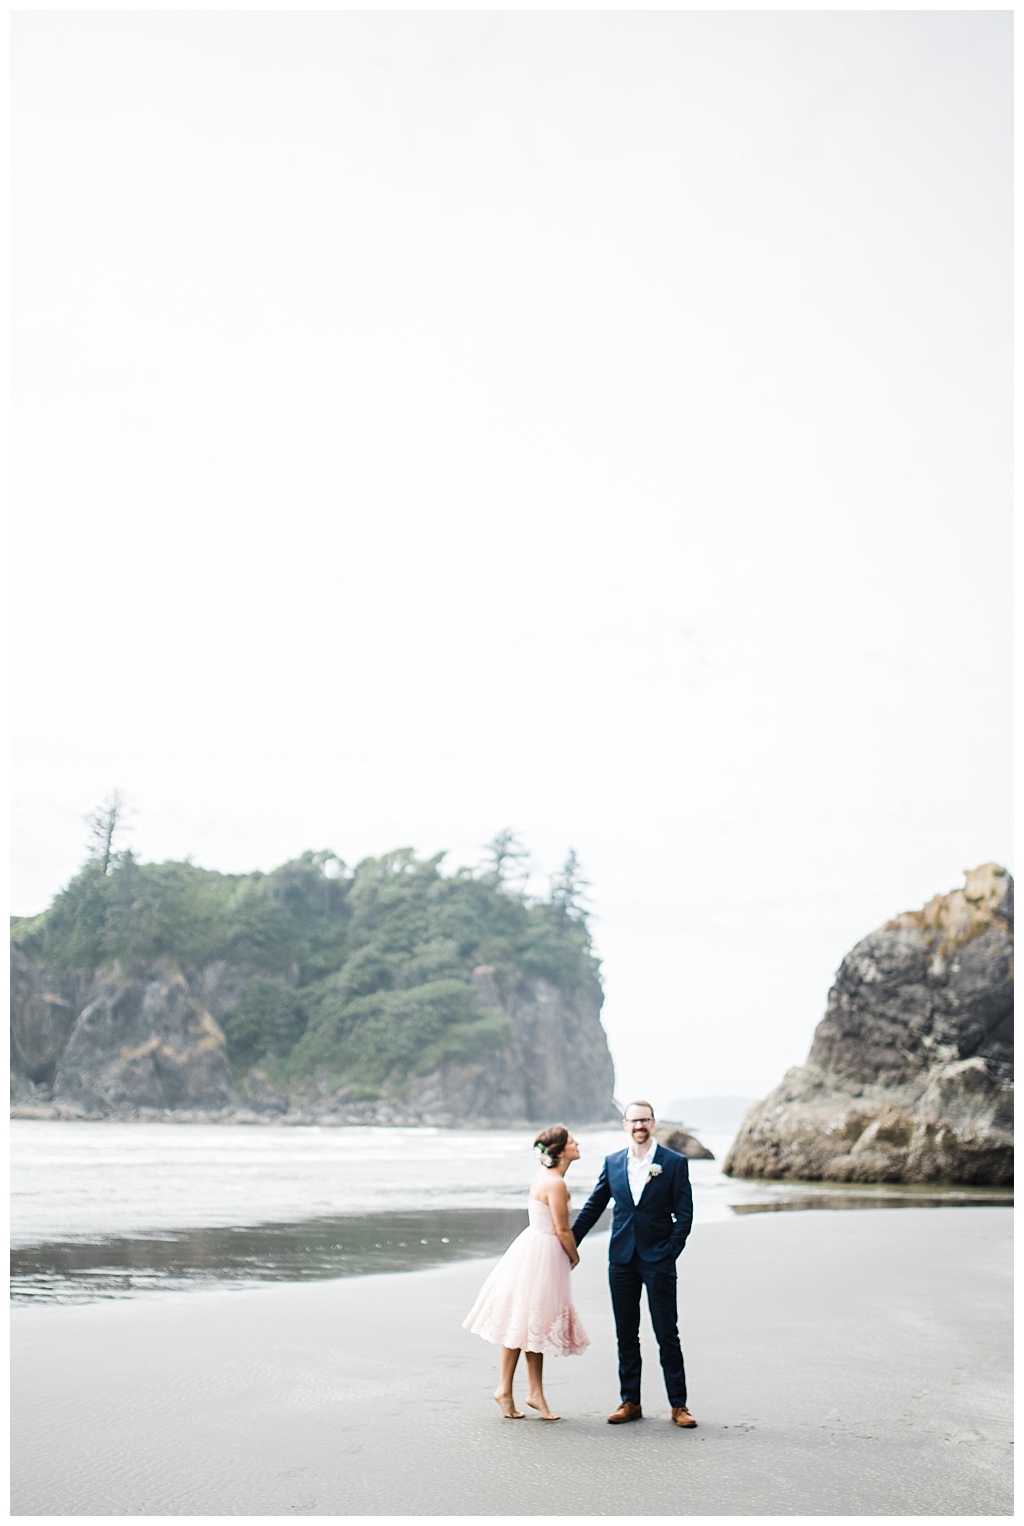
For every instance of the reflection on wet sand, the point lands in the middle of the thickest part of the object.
(352, 1245)
(242, 1256)
(832, 1199)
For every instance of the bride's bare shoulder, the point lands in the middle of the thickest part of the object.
(546, 1185)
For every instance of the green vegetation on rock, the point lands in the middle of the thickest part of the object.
(361, 976)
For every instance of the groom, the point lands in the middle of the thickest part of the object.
(652, 1218)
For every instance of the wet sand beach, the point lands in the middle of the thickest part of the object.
(839, 1364)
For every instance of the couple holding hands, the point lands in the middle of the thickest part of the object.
(526, 1302)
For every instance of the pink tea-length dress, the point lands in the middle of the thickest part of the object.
(526, 1302)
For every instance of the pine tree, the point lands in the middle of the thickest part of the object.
(105, 824)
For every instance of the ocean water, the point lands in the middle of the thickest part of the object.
(84, 1180)
(118, 1209)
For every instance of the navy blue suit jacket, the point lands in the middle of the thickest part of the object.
(655, 1229)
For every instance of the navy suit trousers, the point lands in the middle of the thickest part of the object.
(627, 1281)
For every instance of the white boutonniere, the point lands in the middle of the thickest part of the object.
(653, 1172)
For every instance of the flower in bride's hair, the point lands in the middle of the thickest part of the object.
(542, 1151)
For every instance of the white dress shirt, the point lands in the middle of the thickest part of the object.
(637, 1167)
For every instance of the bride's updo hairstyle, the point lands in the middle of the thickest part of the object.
(550, 1143)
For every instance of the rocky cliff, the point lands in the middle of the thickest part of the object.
(910, 1074)
(556, 1067)
(107, 1044)
(146, 1042)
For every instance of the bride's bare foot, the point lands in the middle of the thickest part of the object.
(506, 1404)
(541, 1405)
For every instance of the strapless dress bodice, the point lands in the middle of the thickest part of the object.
(540, 1217)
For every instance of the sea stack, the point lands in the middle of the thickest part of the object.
(910, 1073)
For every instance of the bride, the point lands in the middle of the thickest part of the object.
(526, 1302)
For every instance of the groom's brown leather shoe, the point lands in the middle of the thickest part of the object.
(681, 1416)
(626, 1411)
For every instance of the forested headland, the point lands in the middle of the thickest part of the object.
(361, 977)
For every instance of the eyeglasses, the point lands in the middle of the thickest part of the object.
(637, 1120)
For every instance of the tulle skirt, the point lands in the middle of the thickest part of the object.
(526, 1302)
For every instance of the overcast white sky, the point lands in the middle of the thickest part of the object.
(591, 423)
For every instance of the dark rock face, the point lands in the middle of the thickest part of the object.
(675, 1138)
(43, 1011)
(145, 1042)
(556, 1068)
(910, 1074)
(108, 1043)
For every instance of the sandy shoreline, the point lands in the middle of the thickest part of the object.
(839, 1364)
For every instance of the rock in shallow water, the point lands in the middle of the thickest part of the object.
(675, 1137)
(910, 1074)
